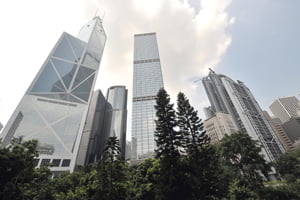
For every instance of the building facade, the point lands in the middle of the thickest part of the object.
(280, 132)
(92, 142)
(292, 129)
(147, 80)
(234, 98)
(116, 115)
(218, 126)
(54, 108)
(285, 108)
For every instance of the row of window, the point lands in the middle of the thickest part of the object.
(53, 163)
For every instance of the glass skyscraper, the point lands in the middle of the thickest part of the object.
(54, 108)
(147, 80)
(235, 98)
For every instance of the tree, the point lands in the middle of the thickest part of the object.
(242, 153)
(168, 140)
(201, 162)
(112, 173)
(289, 164)
(143, 179)
(169, 182)
(191, 126)
(19, 179)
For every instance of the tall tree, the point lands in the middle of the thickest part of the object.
(168, 140)
(169, 182)
(112, 173)
(190, 125)
(201, 163)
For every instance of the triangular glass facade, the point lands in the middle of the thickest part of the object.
(54, 108)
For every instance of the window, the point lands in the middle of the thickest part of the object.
(45, 162)
(56, 162)
(66, 163)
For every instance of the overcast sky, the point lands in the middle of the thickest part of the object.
(254, 41)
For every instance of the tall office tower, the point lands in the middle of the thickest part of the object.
(92, 141)
(54, 108)
(147, 80)
(281, 134)
(285, 108)
(234, 98)
(116, 115)
(1, 126)
(217, 126)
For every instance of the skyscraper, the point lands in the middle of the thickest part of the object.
(116, 115)
(147, 80)
(234, 98)
(54, 108)
(285, 108)
(92, 142)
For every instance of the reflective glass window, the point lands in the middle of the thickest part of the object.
(82, 74)
(64, 50)
(83, 90)
(48, 81)
(78, 46)
(66, 70)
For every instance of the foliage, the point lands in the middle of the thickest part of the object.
(201, 160)
(18, 177)
(242, 153)
(168, 140)
(143, 179)
(190, 125)
(169, 182)
(288, 165)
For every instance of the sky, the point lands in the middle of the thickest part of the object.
(254, 41)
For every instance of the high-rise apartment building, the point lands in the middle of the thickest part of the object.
(234, 98)
(147, 80)
(54, 108)
(217, 126)
(285, 108)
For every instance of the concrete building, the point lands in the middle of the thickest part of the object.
(147, 80)
(285, 108)
(54, 108)
(235, 98)
(217, 126)
(280, 132)
(292, 129)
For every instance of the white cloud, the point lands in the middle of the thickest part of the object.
(188, 42)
